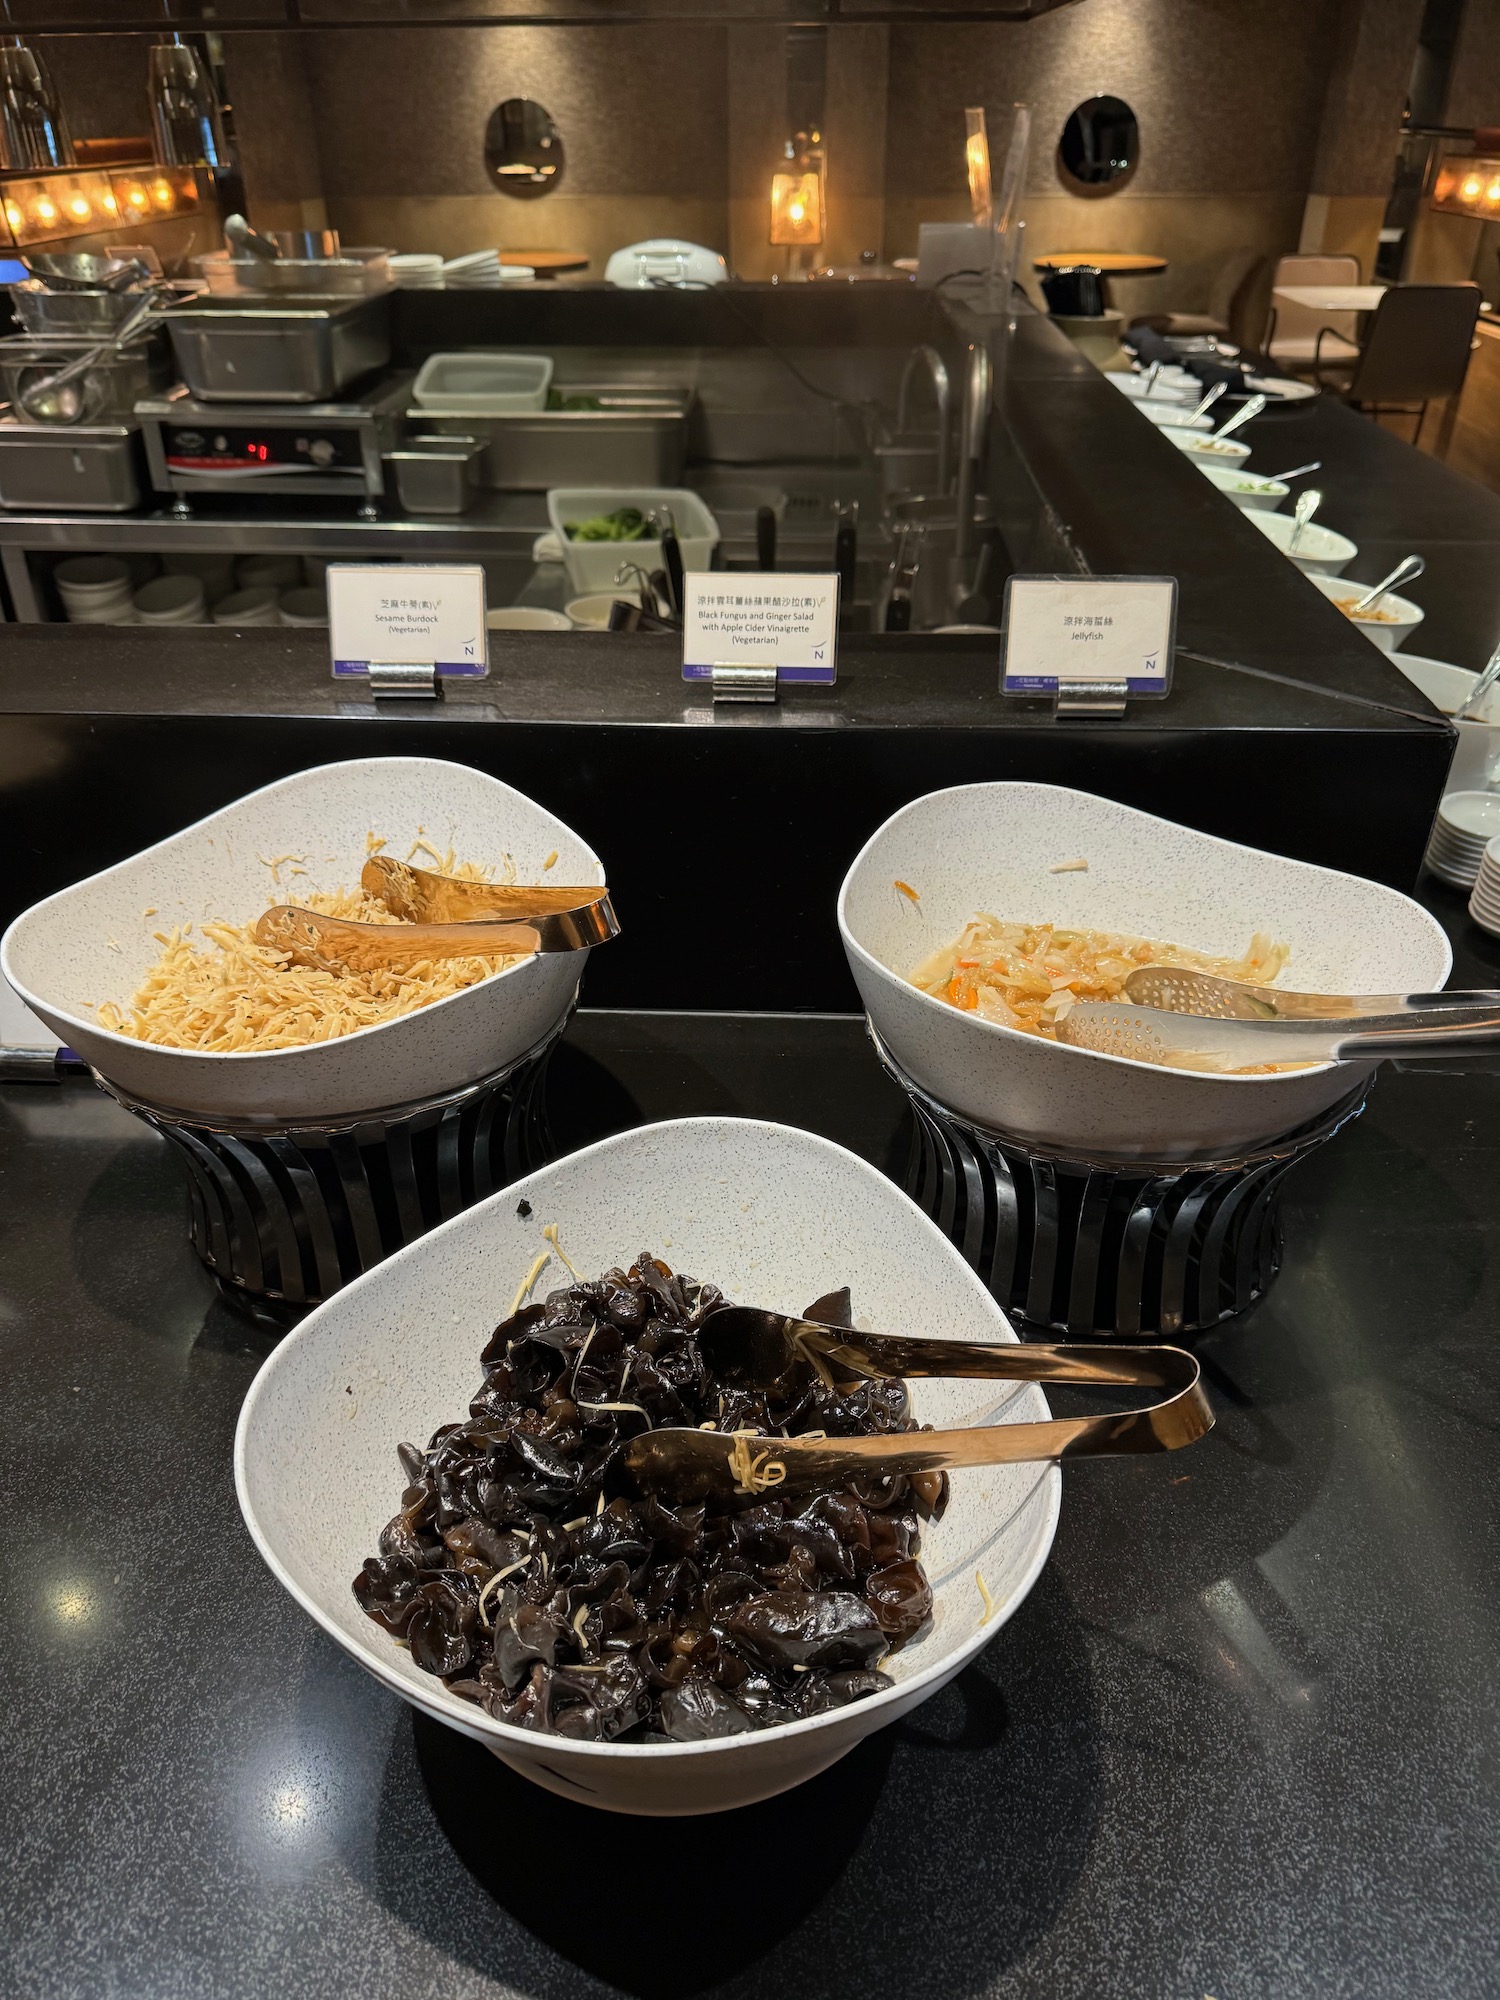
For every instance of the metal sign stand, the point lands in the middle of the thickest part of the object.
(731, 683)
(1086, 700)
(407, 680)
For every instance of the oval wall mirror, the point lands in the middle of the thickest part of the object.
(523, 149)
(1100, 146)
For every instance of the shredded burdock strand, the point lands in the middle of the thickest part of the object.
(509, 1573)
(1028, 976)
(232, 995)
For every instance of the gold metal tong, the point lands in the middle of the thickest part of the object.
(757, 1348)
(445, 917)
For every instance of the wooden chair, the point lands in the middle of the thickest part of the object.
(1297, 337)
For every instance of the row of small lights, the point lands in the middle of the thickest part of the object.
(34, 210)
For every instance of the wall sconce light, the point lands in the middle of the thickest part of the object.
(1469, 185)
(797, 207)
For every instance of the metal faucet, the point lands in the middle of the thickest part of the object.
(972, 424)
(942, 390)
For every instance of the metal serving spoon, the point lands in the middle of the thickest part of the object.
(1406, 571)
(1312, 465)
(755, 1347)
(1474, 701)
(1178, 991)
(1149, 1034)
(1243, 415)
(342, 944)
(1308, 503)
(55, 399)
(422, 896)
(1202, 409)
(240, 236)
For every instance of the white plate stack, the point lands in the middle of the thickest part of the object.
(1465, 825)
(171, 600)
(95, 590)
(482, 270)
(417, 271)
(268, 572)
(258, 606)
(305, 606)
(1484, 904)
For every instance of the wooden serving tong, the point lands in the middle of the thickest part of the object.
(443, 917)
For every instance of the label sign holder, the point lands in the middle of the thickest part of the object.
(406, 627)
(745, 631)
(1090, 642)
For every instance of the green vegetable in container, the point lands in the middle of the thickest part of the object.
(625, 524)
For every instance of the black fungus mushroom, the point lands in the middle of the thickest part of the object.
(508, 1574)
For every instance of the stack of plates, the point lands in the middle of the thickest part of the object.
(1484, 904)
(482, 270)
(418, 270)
(268, 572)
(95, 590)
(1465, 825)
(305, 606)
(258, 606)
(214, 572)
(171, 600)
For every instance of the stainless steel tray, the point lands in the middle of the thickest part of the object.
(307, 351)
(79, 469)
(637, 438)
(112, 386)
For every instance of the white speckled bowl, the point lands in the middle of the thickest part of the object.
(59, 955)
(775, 1217)
(992, 847)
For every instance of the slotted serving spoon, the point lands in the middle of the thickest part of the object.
(1179, 991)
(1150, 1034)
(755, 1348)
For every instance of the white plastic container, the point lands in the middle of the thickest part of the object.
(490, 384)
(591, 566)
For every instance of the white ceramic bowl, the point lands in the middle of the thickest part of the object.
(1320, 551)
(775, 1217)
(527, 618)
(60, 958)
(1172, 416)
(1214, 451)
(591, 566)
(1476, 761)
(1386, 633)
(1246, 489)
(591, 614)
(992, 847)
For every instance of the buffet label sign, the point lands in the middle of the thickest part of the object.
(422, 614)
(740, 619)
(1058, 630)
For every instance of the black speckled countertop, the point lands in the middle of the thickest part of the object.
(1241, 1741)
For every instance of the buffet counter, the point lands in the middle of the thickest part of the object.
(113, 738)
(1234, 1744)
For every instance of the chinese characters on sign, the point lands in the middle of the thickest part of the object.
(788, 621)
(1059, 629)
(432, 614)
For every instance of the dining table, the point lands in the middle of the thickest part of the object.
(1332, 298)
(1113, 263)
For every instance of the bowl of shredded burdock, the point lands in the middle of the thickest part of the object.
(424, 1464)
(151, 970)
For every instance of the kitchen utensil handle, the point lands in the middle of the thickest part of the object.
(1444, 1030)
(765, 538)
(990, 1361)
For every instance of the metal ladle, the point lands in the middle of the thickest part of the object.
(240, 236)
(56, 399)
(752, 1347)
(1406, 571)
(1308, 503)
